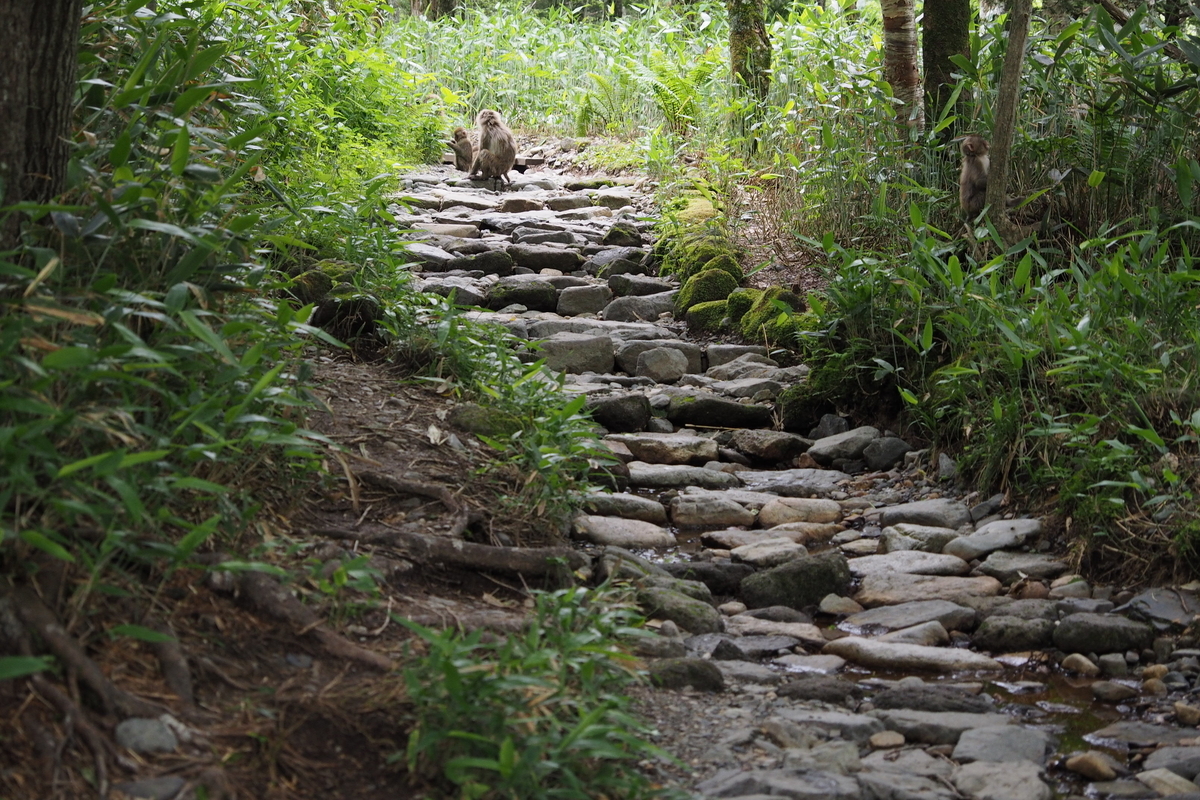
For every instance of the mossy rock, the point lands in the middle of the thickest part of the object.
(708, 316)
(685, 253)
(622, 234)
(697, 210)
(762, 322)
(704, 287)
(312, 286)
(741, 301)
(724, 262)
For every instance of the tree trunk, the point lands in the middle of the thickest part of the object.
(900, 61)
(434, 9)
(1006, 118)
(945, 31)
(749, 59)
(37, 86)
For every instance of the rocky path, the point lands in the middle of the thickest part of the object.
(836, 617)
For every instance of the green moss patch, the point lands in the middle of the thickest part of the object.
(772, 317)
(708, 316)
(704, 287)
(741, 301)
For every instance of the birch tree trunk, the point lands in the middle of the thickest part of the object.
(900, 61)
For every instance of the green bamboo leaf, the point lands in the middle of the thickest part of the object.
(46, 545)
(181, 151)
(20, 666)
(68, 358)
(927, 336)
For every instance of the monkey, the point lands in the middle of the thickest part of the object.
(464, 149)
(497, 149)
(973, 181)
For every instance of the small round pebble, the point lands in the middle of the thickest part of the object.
(1076, 662)
(885, 740)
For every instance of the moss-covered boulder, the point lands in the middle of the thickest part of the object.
(311, 286)
(695, 211)
(768, 321)
(725, 262)
(704, 287)
(740, 302)
(694, 616)
(483, 420)
(709, 317)
(536, 295)
(676, 673)
(622, 234)
(799, 583)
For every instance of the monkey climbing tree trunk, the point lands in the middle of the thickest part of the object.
(945, 31)
(749, 60)
(37, 84)
(900, 61)
(1006, 117)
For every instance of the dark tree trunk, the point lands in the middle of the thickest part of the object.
(749, 58)
(1007, 95)
(945, 31)
(434, 9)
(37, 87)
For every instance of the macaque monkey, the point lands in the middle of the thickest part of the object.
(497, 149)
(464, 149)
(972, 182)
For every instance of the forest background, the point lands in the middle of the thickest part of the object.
(171, 170)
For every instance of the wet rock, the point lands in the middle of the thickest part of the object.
(696, 510)
(819, 687)
(1166, 782)
(1025, 609)
(622, 234)
(1113, 665)
(939, 513)
(875, 654)
(1142, 734)
(1009, 567)
(1000, 535)
(669, 448)
(721, 578)
(931, 697)
(798, 583)
(529, 235)
(1093, 765)
(985, 780)
(928, 634)
(1122, 790)
(769, 552)
(771, 447)
(1186, 714)
(646, 308)
(145, 735)
(951, 615)
(907, 536)
(628, 506)
(783, 510)
(620, 266)
(777, 614)
(1002, 743)
(894, 588)
(848, 445)
(752, 648)
(1109, 692)
(815, 665)
(794, 783)
(624, 413)
(717, 411)
(1183, 761)
(885, 452)
(913, 562)
(694, 616)
(806, 532)
(1101, 633)
(676, 673)
(936, 727)
(629, 533)
(672, 476)
(1077, 662)
(629, 352)
(1005, 634)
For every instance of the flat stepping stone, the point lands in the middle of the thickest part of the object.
(936, 727)
(894, 588)
(889, 618)
(744, 625)
(669, 476)
(668, 448)
(913, 562)
(629, 533)
(895, 656)
(1001, 535)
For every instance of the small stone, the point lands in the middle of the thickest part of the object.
(886, 739)
(1187, 715)
(1109, 692)
(1166, 782)
(1155, 671)
(1155, 687)
(1080, 663)
(732, 608)
(144, 735)
(835, 604)
(1093, 765)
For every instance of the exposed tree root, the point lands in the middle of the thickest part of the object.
(448, 499)
(532, 562)
(75, 721)
(265, 594)
(174, 666)
(42, 622)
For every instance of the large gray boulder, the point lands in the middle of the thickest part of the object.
(848, 445)
(539, 256)
(620, 413)
(578, 352)
(717, 411)
(694, 616)
(768, 446)
(1006, 634)
(1009, 567)
(1101, 633)
(629, 351)
(798, 583)
(939, 513)
(1000, 535)
(646, 308)
(535, 295)
(583, 300)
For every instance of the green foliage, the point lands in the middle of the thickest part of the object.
(740, 302)
(771, 319)
(537, 714)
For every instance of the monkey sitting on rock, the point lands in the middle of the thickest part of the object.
(464, 149)
(497, 148)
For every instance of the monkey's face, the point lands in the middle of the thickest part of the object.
(974, 146)
(460, 134)
(489, 117)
